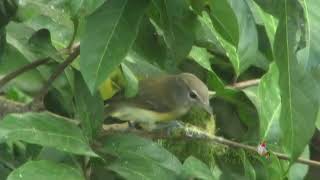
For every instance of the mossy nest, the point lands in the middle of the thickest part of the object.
(206, 151)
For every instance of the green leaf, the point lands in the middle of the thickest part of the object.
(194, 168)
(148, 45)
(299, 171)
(45, 129)
(132, 84)
(309, 56)
(141, 67)
(89, 108)
(318, 120)
(248, 37)
(141, 158)
(40, 14)
(298, 89)
(110, 33)
(176, 23)
(12, 59)
(40, 44)
(28, 42)
(3, 42)
(205, 35)
(269, 22)
(225, 21)
(202, 57)
(8, 9)
(269, 105)
(39, 170)
(274, 168)
(273, 7)
(248, 168)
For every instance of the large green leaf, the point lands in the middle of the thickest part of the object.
(269, 106)
(205, 37)
(175, 22)
(202, 57)
(45, 129)
(310, 55)
(110, 33)
(194, 168)
(89, 108)
(8, 9)
(141, 158)
(29, 43)
(298, 89)
(269, 22)
(248, 37)
(132, 84)
(149, 46)
(297, 170)
(242, 53)
(30, 81)
(39, 14)
(250, 174)
(140, 67)
(40, 170)
(225, 21)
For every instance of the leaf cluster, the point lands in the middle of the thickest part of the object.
(226, 43)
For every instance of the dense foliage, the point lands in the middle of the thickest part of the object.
(259, 57)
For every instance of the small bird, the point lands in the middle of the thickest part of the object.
(160, 99)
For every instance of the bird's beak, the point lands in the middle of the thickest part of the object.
(208, 108)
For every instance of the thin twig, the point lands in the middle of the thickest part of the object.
(239, 85)
(22, 70)
(245, 84)
(55, 75)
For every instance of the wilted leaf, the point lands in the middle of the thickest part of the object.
(40, 170)
(110, 33)
(45, 129)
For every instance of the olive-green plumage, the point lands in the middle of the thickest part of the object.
(162, 98)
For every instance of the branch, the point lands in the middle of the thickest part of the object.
(191, 132)
(245, 84)
(7, 106)
(239, 85)
(22, 70)
(38, 98)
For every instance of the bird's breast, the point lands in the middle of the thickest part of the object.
(146, 116)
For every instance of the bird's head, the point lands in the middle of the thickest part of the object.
(195, 91)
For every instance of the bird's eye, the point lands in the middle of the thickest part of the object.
(193, 95)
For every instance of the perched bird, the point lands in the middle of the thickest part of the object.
(160, 99)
